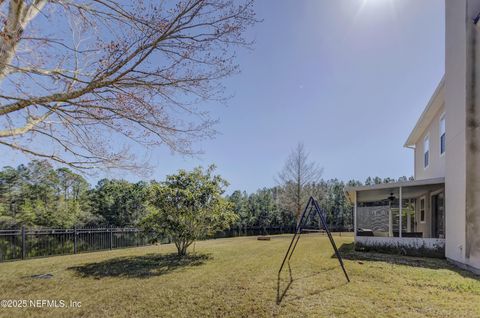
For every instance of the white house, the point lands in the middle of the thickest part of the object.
(438, 211)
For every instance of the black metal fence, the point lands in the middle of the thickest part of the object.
(255, 230)
(271, 230)
(29, 243)
(33, 242)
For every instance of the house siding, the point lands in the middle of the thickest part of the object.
(459, 17)
(436, 167)
(472, 241)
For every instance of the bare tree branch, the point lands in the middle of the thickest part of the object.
(81, 76)
(297, 180)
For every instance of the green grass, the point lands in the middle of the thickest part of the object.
(238, 278)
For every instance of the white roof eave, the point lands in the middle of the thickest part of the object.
(436, 101)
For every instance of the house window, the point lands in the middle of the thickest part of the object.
(422, 210)
(426, 152)
(442, 134)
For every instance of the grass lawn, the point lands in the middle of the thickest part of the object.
(237, 277)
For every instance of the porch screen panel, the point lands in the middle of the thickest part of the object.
(374, 218)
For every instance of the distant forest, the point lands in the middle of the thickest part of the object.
(38, 195)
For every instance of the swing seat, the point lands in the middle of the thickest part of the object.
(313, 231)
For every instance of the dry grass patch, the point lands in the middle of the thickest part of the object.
(237, 277)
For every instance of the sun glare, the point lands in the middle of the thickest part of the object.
(372, 1)
(375, 2)
(375, 5)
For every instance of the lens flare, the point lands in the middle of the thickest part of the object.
(375, 5)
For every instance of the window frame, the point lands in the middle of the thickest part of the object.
(442, 119)
(426, 163)
(424, 200)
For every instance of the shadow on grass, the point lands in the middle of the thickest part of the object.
(348, 252)
(281, 293)
(139, 266)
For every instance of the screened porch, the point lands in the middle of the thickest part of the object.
(402, 214)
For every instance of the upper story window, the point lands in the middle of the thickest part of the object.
(426, 152)
(442, 134)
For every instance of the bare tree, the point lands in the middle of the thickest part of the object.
(80, 78)
(298, 180)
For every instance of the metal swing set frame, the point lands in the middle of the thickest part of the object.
(312, 206)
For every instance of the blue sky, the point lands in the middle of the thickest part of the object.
(348, 78)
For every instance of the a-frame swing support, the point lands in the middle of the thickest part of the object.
(312, 206)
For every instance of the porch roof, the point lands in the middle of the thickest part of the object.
(411, 188)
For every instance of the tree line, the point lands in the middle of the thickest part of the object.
(266, 207)
(38, 195)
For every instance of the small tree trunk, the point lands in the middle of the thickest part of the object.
(182, 248)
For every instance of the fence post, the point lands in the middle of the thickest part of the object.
(24, 245)
(111, 237)
(75, 240)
